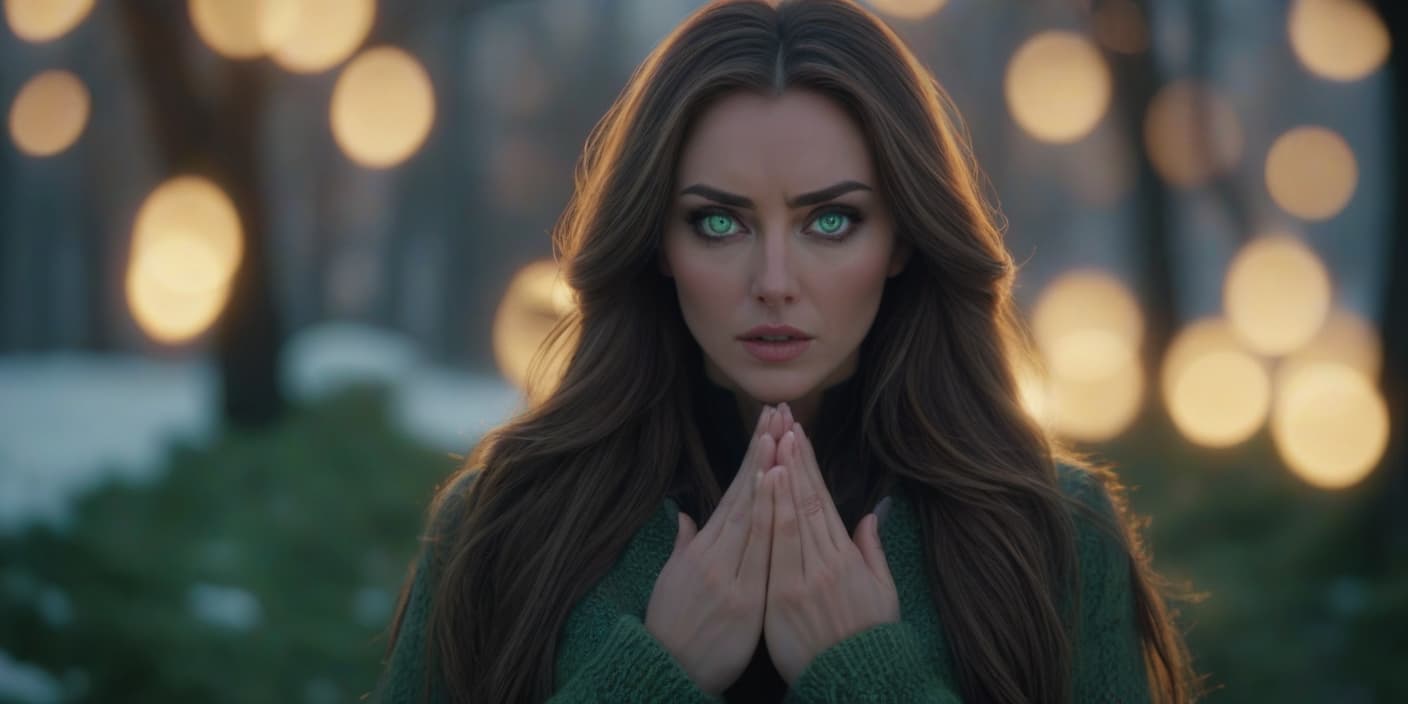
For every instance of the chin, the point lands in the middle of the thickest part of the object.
(774, 388)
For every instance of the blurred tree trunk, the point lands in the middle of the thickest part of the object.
(1390, 529)
(214, 132)
(1136, 80)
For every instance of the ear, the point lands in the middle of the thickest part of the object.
(899, 257)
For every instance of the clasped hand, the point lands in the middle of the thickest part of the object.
(774, 557)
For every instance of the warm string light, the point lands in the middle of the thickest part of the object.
(536, 299)
(187, 243)
(49, 113)
(40, 21)
(1057, 86)
(383, 106)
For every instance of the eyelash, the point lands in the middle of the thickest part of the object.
(696, 217)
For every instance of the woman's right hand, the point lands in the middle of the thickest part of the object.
(707, 605)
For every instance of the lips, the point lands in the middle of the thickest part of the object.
(774, 333)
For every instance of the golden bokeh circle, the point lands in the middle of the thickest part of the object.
(49, 113)
(1215, 390)
(41, 21)
(1191, 133)
(169, 303)
(1330, 425)
(1342, 40)
(1086, 299)
(1311, 172)
(1277, 294)
(1057, 86)
(1346, 339)
(187, 243)
(536, 300)
(383, 106)
(1220, 398)
(1092, 409)
(323, 34)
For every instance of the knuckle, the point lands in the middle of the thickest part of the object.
(787, 526)
(714, 579)
(810, 505)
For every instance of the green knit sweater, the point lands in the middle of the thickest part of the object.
(605, 653)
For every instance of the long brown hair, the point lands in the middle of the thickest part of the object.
(563, 487)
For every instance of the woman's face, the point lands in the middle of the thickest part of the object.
(777, 221)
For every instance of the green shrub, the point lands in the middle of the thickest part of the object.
(293, 541)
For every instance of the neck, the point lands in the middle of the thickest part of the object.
(804, 409)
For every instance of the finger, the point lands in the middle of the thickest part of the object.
(868, 540)
(778, 423)
(835, 527)
(753, 570)
(686, 531)
(734, 535)
(752, 458)
(785, 567)
(817, 548)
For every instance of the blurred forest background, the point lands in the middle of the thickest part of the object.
(268, 267)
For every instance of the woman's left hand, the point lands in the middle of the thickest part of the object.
(822, 586)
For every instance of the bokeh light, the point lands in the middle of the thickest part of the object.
(1057, 86)
(1089, 330)
(187, 243)
(41, 21)
(1094, 409)
(1345, 339)
(1120, 26)
(1330, 425)
(908, 9)
(244, 29)
(1085, 299)
(1216, 392)
(536, 299)
(162, 290)
(323, 33)
(1343, 40)
(1277, 294)
(49, 113)
(382, 107)
(1311, 172)
(1191, 134)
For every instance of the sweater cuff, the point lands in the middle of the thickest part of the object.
(630, 665)
(884, 663)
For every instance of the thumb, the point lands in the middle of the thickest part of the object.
(687, 531)
(867, 538)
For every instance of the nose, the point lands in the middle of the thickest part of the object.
(773, 283)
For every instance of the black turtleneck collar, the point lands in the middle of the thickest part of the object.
(835, 431)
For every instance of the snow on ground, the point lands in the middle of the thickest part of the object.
(69, 421)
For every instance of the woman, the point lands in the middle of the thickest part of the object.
(782, 172)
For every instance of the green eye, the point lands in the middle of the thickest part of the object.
(718, 224)
(831, 223)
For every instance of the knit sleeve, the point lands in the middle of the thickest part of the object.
(408, 673)
(1109, 661)
(605, 653)
(625, 665)
(405, 675)
(885, 663)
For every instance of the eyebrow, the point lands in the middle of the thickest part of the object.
(812, 198)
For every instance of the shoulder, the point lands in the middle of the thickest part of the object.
(449, 506)
(1101, 535)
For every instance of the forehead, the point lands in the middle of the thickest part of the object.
(793, 142)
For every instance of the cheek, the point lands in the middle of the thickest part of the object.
(849, 294)
(705, 285)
